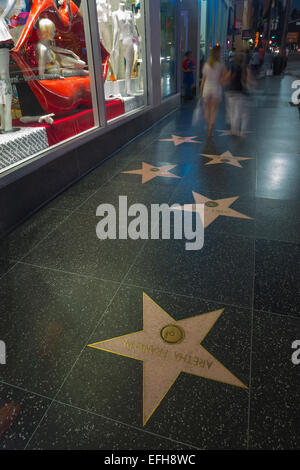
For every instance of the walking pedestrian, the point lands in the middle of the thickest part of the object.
(268, 63)
(255, 61)
(237, 96)
(214, 72)
(188, 67)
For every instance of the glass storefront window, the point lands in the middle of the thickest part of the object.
(168, 47)
(46, 84)
(121, 27)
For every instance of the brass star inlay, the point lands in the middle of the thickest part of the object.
(168, 347)
(213, 209)
(149, 172)
(225, 158)
(178, 140)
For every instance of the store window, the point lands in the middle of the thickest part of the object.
(203, 35)
(121, 27)
(168, 47)
(46, 84)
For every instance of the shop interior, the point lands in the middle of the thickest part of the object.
(45, 80)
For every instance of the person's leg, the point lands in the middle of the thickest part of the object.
(244, 115)
(227, 107)
(234, 114)
(185, 87)
(188, 90)
(213, 115)
(207, 111)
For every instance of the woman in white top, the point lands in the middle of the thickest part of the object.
(213, 72)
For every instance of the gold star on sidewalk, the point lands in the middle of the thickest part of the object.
(167, 348)
(149, 172)
(226, 157)
(213, 209)
(178, 140)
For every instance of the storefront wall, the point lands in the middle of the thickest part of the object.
(102, 107)
(216, 12)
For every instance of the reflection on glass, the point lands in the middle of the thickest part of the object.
(45, 86)
(168, 48)
(122, 33)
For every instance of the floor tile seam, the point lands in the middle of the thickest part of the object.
(6, 272)
(64, 379)
(191, 297)
(69, 273)
(146, 241)
(251, 351)
(25, 390)
(77, 359)
(68, 216)
(136, 428)
(68, 213)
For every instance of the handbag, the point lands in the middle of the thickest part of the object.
(198, 113)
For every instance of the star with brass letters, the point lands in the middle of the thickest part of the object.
(178, 140)
(213, 209)
(225, 158)
(149, 172)
(168, 347)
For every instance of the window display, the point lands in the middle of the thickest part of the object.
(45, 83)
(168, 47)
(122, 33)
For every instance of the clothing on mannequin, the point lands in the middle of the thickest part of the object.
(124, 32)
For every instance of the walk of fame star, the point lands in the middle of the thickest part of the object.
(226, 157)
(178, 140)
(168, 347)
(149, 172)
(224, 132)
(213, 209)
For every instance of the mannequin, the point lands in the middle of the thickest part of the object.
(104, 23)
(56, 62)
(48, 118)
(6, 44)
(139, 46)
(105, 30)
(124, 31)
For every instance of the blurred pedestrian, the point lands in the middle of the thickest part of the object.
(268, 63)
(214, 72)
(261, 52)
(188, 67)
(231, 57)
(237, 96)
(247, 57)
(255, 62)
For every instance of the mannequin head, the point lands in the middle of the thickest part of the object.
(46, 29)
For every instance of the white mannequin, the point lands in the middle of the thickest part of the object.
(138, 19)
(46, 118)
(104, 23)
(5, 84)
(124, 31)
